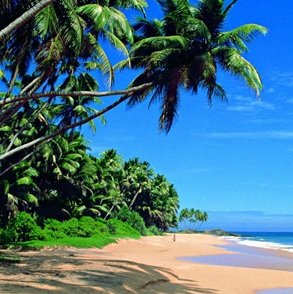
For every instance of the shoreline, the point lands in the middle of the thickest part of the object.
(147, 265)
(247, 241)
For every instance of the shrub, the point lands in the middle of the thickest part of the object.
(121, 229)
(22, 228)
(133, 219)
(71, 227)
(53, 229)
(154, 231)
(84, 227)
(101, 227)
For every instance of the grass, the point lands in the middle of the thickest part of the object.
(78, 242)
(24, 232)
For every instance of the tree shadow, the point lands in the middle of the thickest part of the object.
(65, 272)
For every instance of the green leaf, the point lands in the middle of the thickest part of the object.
(73, 156)
(6, 186)
(5, 129)
(11, 199)
(57, 171)
(24, 181)
(31, 199)
(31, 172)
(17, 142)
(2, 74)
(68, 167)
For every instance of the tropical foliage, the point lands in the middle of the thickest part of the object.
(186, 49)
(51, 55)
(53, 58)
(192, 219)
(61, 180)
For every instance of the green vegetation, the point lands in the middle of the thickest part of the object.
(24, 231)
(50, 60)
(65, 183)
(192, 219)
(63, 39)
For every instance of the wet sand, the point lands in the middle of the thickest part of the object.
(148, 265)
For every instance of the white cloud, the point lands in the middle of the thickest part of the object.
(268, 121)
(248, 104)
(282, 78)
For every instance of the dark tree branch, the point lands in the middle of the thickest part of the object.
(24, 18)
(71, 126)
(74, 93)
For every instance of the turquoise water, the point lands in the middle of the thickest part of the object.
(267, 240)
(249, 252)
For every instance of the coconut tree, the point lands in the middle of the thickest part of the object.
(137, 181)
(185, 50)
(62, 39)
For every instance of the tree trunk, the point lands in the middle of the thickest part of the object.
(134, 198)
(74, 94)
(24, 18)
(109, 212)
(68, 127)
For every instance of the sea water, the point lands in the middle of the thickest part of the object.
(249, 252)
(270, 240)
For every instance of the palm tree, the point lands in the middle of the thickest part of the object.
(185, 50)
(137, 180)
(62, 39)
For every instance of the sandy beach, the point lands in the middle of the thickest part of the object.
(147, 265)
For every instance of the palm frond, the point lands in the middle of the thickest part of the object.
(46, 21)
(117, 43)
(238, 36)
(122, 64)
(106, 66)
(232, 61)
(158, 43)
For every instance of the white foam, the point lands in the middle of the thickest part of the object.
(266, 245)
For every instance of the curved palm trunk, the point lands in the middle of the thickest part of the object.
(109, 212)
(24, 18)
(68, 127)
(134, 198)
(34, 96)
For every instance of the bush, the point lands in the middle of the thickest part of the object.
(53, 229)
(71, 227)
(22, 228)
(84, 227)
(101, 227)
(154, 231)
(133, 219)
(121, 229)
(53, 235)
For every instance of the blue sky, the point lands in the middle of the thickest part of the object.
(233, 160)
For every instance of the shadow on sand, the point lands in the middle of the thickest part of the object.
(63, 271)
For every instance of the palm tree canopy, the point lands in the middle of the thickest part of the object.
(185, 50)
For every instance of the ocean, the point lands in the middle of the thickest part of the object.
(272, 240)
(248, 252)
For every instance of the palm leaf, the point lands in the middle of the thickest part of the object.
(46, 21)
(232, 61)
(238, 36)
